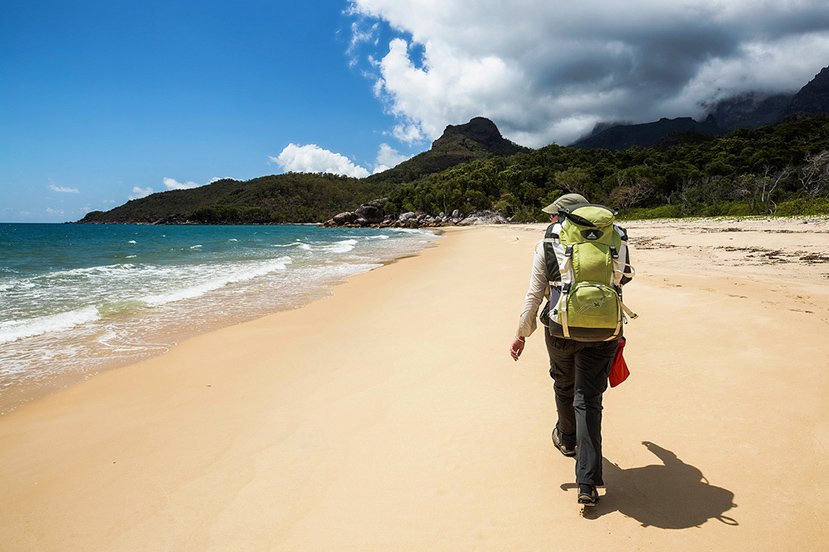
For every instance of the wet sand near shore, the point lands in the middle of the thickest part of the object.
(390, 416)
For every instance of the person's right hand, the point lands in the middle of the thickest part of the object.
(516, 348)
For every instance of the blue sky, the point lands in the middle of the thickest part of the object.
(98, 98)
(101, 101)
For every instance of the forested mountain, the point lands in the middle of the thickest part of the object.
(649, 135)
(781, 168)
(746, 111)
(812, 99)
(750, 110)
(297, 197)
(476, 139)
(292, 197)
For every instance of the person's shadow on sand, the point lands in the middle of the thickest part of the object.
(674, 495)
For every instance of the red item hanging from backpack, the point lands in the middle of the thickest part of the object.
(619, 369)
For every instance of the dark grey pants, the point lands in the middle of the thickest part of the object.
(579, 371)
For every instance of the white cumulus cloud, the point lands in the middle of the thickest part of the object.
(169, 184)
(548, 71)
(388, 157)
(63, 189)
(361, 34)
(138, 192)
(311, 158)
(173, 184)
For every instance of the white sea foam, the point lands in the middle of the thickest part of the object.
(413, 231)
(118, 343)
(341, 247)
(344, 270)
(20, 285)
(104, 270)
(324, 275)
(240, 274)
(133, 306)
(13, 330)
(197, 246)
(132, 242)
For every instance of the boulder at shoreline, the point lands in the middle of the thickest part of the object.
(372, 215)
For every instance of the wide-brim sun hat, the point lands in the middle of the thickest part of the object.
(567, 200)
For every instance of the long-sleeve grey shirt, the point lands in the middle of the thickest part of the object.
(538, 289)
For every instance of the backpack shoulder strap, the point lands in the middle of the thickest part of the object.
(625, 269)
(551, 238)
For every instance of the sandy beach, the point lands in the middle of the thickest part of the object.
(390, 416)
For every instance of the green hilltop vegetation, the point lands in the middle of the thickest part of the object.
(275, 199)
(477, 139)
(781, 169)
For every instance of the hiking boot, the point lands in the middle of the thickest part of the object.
(569, 451)
(588, 495)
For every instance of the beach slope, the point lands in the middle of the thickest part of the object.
(390, 416)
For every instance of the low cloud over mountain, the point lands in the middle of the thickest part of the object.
(548, 72)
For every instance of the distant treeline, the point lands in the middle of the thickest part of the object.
(292, 197)
(781, 169)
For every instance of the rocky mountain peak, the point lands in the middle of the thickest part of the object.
(477, 139)
(479, 129)
(478, 134)
(749, 110)
(812, 99)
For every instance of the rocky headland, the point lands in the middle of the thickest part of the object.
(372, 215)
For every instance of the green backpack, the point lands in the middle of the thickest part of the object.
(587, 263)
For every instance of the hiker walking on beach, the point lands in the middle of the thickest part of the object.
(580, 267)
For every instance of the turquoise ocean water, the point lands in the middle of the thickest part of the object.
(77, 298)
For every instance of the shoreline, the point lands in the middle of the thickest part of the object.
(389, 416)
(56, 383)
(162, 342)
